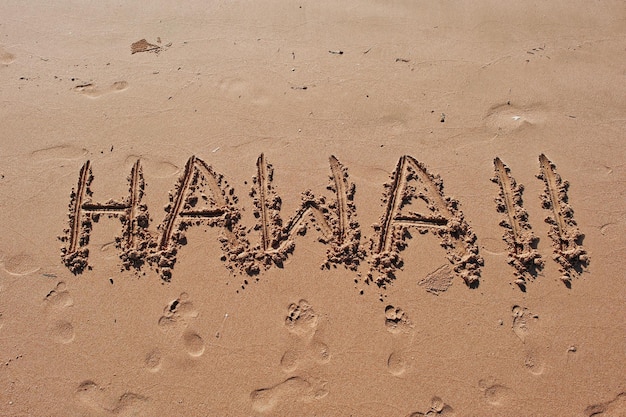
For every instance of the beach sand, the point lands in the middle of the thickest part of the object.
(296, 208)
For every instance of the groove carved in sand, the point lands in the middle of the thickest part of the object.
(346, 248)
(567, 239)
(520, 240)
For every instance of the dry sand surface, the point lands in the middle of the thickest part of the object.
(299, 208)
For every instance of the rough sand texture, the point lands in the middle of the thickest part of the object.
(284, 208)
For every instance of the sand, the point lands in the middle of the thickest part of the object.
(282, 208)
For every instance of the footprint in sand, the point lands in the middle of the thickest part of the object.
(158, 168)
(59, 152)
(56, 305)
(96, 398)
(612, 408)
(292, 390)
(494, 393)
(397, 323)
(93, 91)
(193, 343)
(6, 57)
(176, 318)
(302, 322)
(153, 360)
(301, 319)
(437, 408)
(521, 318)
(236, 88)
(523, 321)
(306, 352)
(20, 264)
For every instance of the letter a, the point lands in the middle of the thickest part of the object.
(410, 181)
(190, 205)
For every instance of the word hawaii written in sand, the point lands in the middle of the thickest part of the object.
(414, 198)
